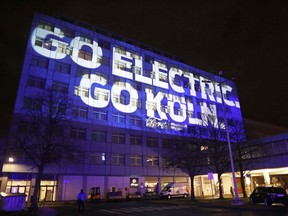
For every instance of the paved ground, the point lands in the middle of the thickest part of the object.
(51, 209)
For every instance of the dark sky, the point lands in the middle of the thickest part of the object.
(247, 40)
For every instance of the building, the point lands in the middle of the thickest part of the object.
(128, 103)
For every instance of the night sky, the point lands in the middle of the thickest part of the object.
(246, 40)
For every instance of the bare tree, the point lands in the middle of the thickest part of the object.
(214, 134)
(218, 155)
(46, 142)
(241, 150)
(187, 155)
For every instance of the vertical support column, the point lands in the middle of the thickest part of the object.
(267, 179)
(4, 181)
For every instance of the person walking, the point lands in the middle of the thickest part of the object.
(81, 198)
(232, 191)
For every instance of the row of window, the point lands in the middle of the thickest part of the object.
(119, 159)
(101, 136)
(63, 48)
(80, 72)
(63, 31)
(82, 112)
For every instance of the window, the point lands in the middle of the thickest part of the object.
(46, 26)
(163, 77)
(186, 84)
(63, 48)
(150, 90)
(78, 111)
(151, 105)
(152, 141)
(98, 158)
(136, 140)
(136, 160)
(78, 133)
(162, 64)
(136, 70)
(148, 74)
(101, 77)
(78, 157)
(118, 118)
(176, 81)
(59, 108)
(120, 50)
(62, 67)
(32, 103)
(39, 62)
(85, 55)
(118, 138)
(104, 44)
(45, 43)
(117, 159)
(167, 143)
(100, 115)
(191, 129)
(121, 99)
(86, 39)
(100, 136)
(136, 121)
(100, 95)
(152, 161)
(67, 32)
(149, 59)
(136, 85)
(23, 127)
(104, 61)
(120, 65)
(135, 55)
(81, 71)
(136, 102)
(80, 91)
(60, 87)
(36, 82)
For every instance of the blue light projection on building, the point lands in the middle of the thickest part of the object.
(143, 89)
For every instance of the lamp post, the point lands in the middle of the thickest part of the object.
(236, 200)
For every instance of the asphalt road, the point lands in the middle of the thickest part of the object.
(171, 207)
(181, 207)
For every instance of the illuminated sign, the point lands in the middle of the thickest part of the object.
(170, 107)
(134, 182)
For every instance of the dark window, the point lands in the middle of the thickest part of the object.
(39, 62)
(62, 67)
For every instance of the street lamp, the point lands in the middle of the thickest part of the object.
(236, 200)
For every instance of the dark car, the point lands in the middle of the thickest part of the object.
(269, 195)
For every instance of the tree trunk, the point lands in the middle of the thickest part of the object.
(192, 194)
(220, 187)
(34, 199)
(243, 184)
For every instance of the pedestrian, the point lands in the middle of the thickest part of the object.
(81, 198)
(231, 191)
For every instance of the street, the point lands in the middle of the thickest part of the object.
(167, 208)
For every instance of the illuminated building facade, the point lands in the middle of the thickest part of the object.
(128, 101)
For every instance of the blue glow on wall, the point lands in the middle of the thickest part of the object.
(125, 79)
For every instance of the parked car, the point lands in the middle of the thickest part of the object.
(269, 196)
(174, 190)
